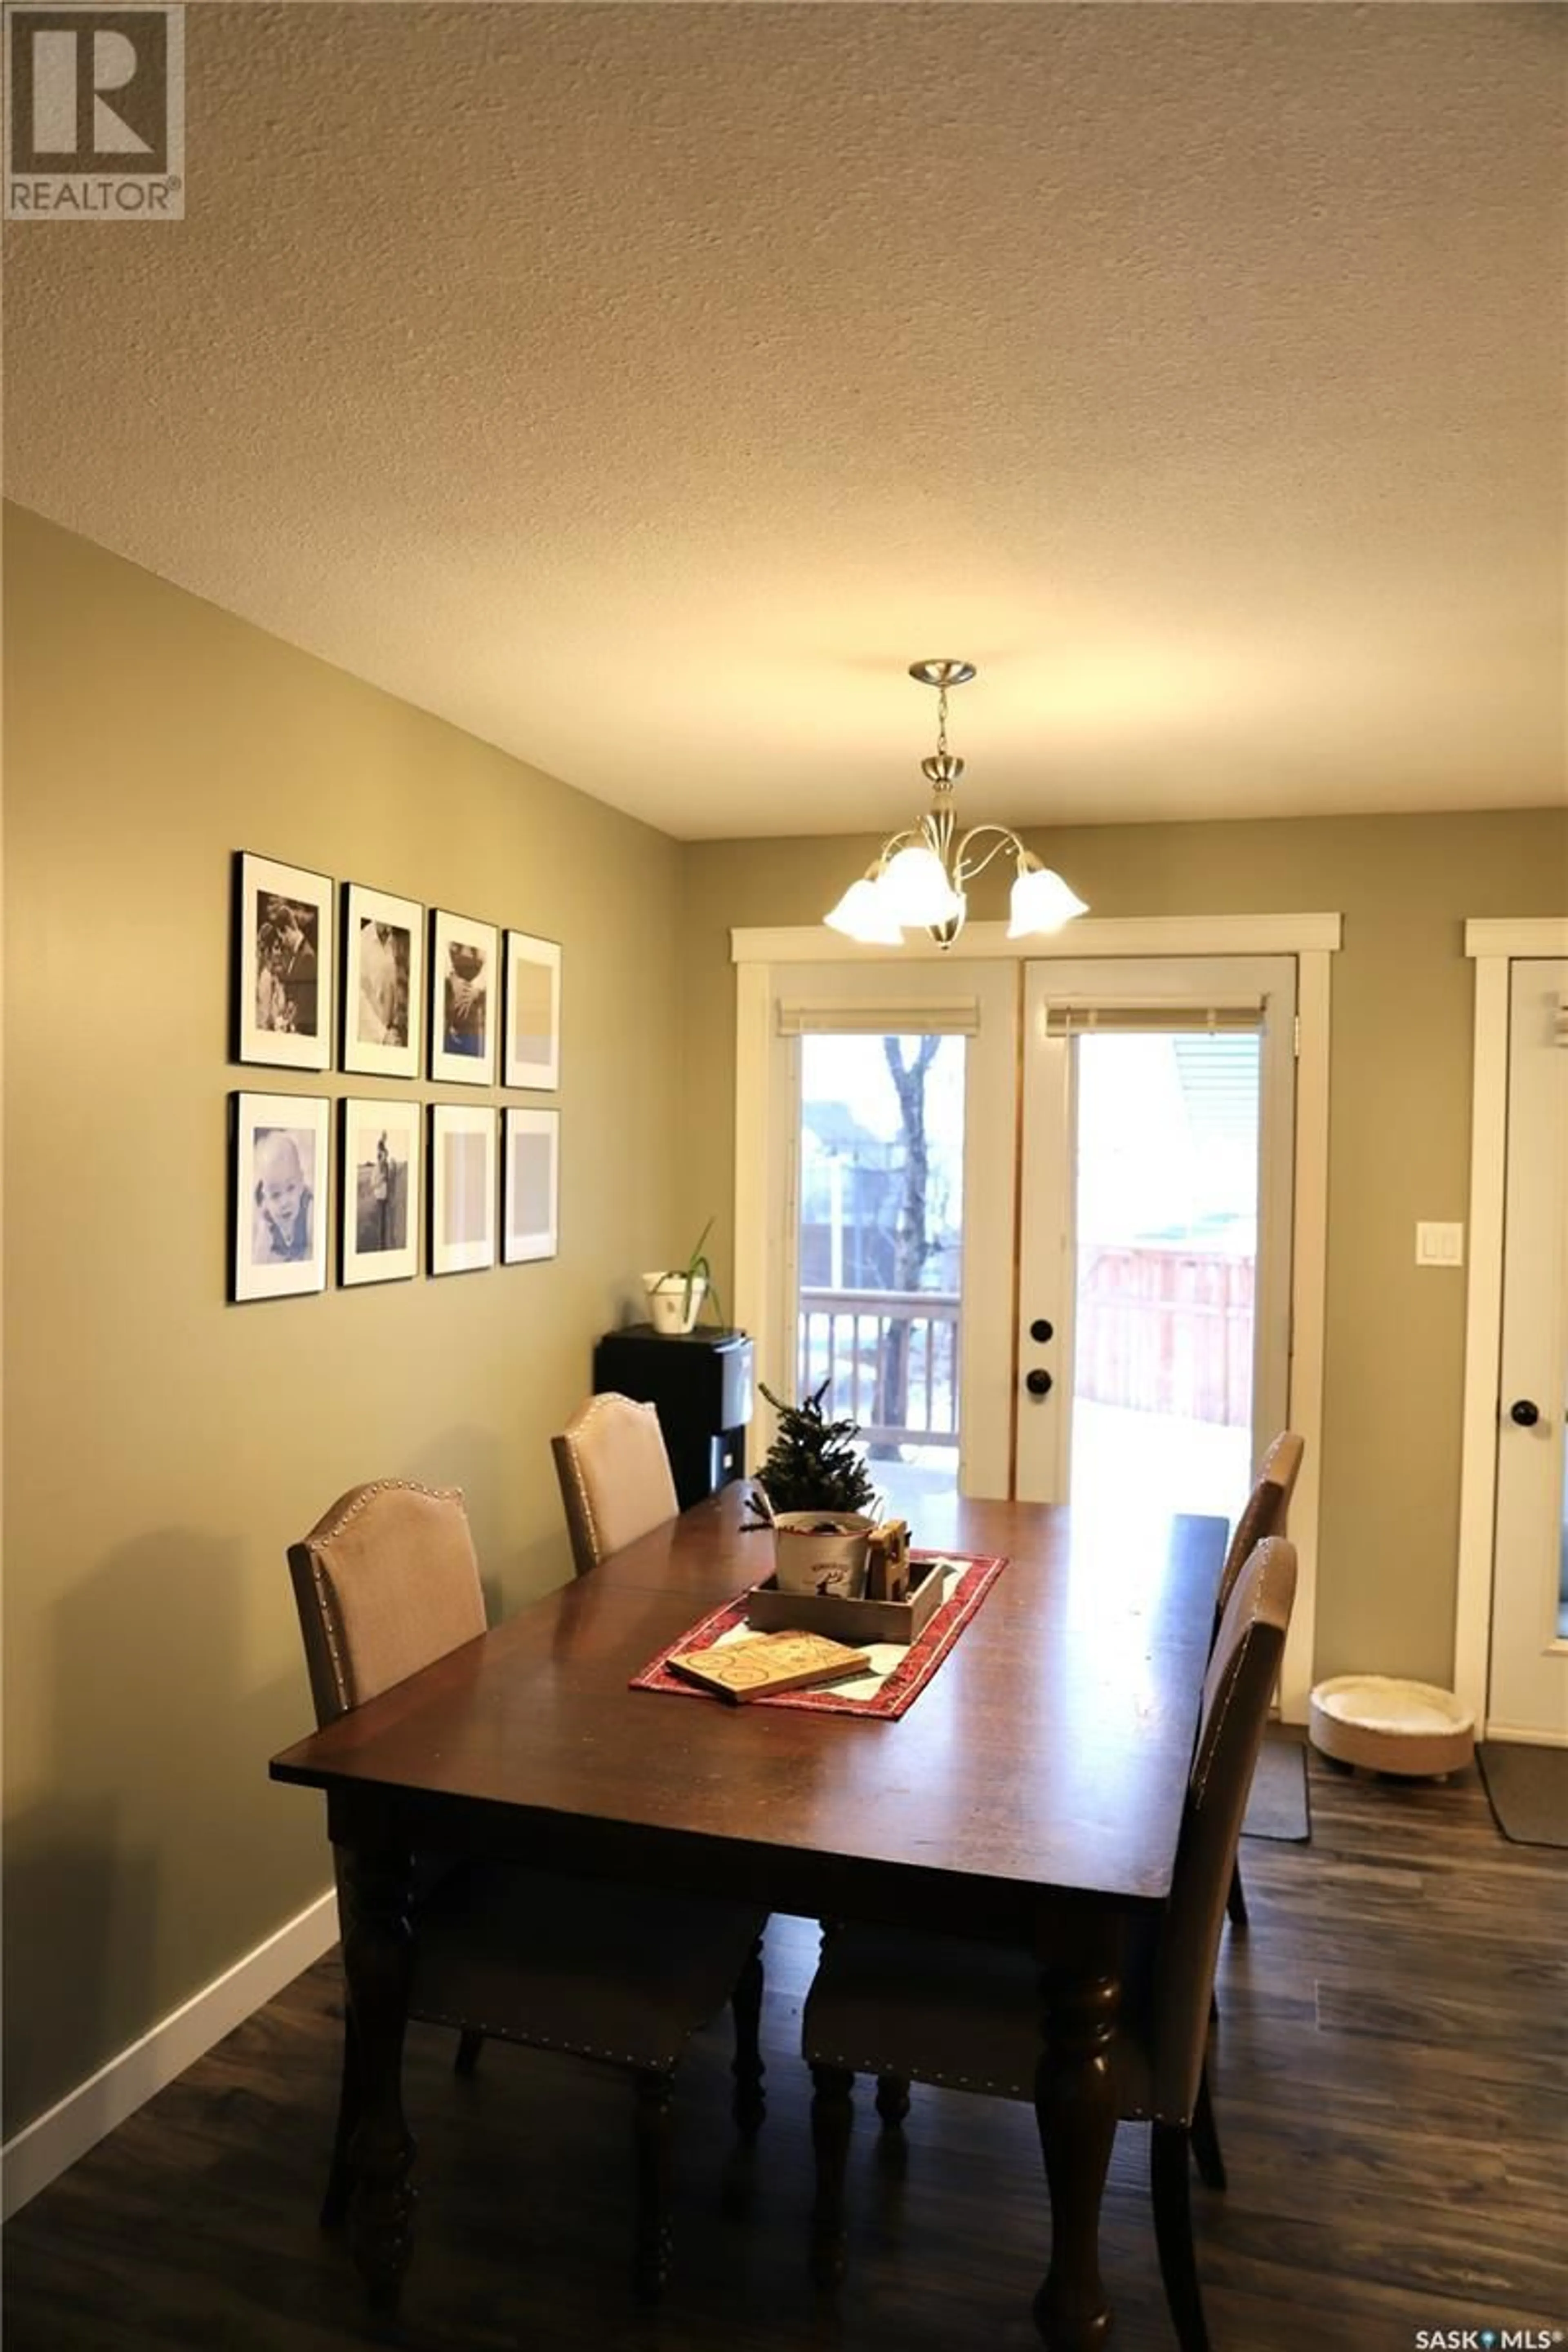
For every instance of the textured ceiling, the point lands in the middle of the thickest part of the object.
(644, 387)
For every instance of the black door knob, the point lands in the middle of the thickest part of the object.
(1525, 1412)
(1039, 1383)
(1041, 1330)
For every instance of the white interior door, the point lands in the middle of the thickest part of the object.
(1153, 1305)
(1529, 1690)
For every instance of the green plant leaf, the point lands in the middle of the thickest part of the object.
(814, 1463)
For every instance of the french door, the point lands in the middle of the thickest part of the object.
(1529, 1683)
(886, 1146)
(1154, 1256)
(1030, 1222)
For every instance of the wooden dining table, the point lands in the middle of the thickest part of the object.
(1033, 1794)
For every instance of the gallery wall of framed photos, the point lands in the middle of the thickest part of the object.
(165, 1448)
(329, 975)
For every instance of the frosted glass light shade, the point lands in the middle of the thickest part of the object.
(916, 888)
(1041, 901)
(863, 914)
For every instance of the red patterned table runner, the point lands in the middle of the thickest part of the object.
(902, 1686)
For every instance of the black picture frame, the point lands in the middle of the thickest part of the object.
(284, 964)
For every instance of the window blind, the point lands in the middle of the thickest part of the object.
(956, 1017)
(1067, 1018)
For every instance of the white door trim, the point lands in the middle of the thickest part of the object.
(1309, 1299)
(1132, 935)
(1515, 935)
(1492, 944)
(1313, 939)
(757, 1153)
(1483, 1338)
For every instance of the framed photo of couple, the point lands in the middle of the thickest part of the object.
(283, 964)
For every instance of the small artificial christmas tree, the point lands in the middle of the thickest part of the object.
(813, 1465)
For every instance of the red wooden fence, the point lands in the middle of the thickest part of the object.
(1167, 1330)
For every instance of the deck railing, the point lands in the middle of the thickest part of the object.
(891, 1357)
(1161, 1329)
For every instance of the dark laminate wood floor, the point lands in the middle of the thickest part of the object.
(1391, 2083)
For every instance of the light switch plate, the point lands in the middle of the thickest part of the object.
(1438, 1244)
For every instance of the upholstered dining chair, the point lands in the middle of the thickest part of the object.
(614, 1474)
(386, 1582)
(1266, 1512)
(966, 2015)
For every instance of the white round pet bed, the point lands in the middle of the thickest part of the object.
(1387, 1725)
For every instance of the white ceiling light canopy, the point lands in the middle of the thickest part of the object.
(918, 877)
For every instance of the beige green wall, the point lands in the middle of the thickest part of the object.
(161, 1448)
(1399, 1144)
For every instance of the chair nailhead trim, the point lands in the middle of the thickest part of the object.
(365, 1495)
(976, 2083)
(544, 2042)
(581, 1483)
(329, 1626)
(1201, 1778)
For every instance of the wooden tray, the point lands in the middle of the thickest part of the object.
(769, 1611)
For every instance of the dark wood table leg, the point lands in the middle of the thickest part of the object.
(374, 1891)
(1075, 2106)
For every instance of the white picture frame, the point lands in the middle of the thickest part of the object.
(462, 1188)
(383, 982)
(531, 1186)
(532, 1047)
(465, 998)
(284, 960)
(378, 1156)
(279, 1192)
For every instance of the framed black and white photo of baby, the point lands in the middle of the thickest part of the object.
(465, 998)
(283, 964)
(383, 982)
(462, 1188)
(531, 1055)
(531, 1187)
(279, 1195)
(380, 1162)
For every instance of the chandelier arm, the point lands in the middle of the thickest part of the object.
(896, 841)
(1005, 839)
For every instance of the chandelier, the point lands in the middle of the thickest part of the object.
(918, 879)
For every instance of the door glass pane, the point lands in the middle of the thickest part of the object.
(881, 1218)
(1167, 1225)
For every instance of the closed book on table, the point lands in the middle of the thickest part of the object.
(764, 1663)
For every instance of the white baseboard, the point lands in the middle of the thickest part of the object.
(43, 2149)
(1523, 1736)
